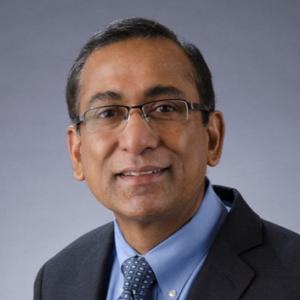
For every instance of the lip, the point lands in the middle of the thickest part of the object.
(140, 170)
(144, 175)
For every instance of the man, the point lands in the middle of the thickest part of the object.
(144, 130)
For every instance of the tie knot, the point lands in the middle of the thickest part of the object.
(138, 277)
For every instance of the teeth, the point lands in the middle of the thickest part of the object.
(133, 173)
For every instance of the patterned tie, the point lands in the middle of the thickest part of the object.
(138, 278)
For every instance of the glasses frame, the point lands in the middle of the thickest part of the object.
(191, 106)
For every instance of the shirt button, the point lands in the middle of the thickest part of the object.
(172, 293)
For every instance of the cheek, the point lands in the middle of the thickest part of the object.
(192, 148)
(96, 169)
(191, 142)
(94, 153)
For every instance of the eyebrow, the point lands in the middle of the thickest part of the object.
(152, 92)
(107, 95)
(160, 90)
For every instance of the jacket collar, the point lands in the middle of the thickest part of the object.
(225, 274)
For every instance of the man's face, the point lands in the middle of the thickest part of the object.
(142, 174)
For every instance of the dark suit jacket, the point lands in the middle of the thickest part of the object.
(249, 259)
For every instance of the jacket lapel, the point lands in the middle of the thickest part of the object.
(92, 281)
(225, 274)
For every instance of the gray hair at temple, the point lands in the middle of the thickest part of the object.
(139, 28)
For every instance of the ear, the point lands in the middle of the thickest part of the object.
(216, 132)
(74, 148)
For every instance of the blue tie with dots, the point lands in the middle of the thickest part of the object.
(138, 278)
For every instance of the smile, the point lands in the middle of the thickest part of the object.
(141, 173)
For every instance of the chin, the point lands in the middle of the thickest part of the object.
(141, 214)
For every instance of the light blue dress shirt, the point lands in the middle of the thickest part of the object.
(177, 260)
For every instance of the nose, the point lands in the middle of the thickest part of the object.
(137, 136)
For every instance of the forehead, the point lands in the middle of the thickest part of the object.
(130, 67)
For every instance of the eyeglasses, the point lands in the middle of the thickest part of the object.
(156, 113)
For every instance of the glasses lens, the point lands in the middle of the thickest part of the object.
(168, 110)
(105, 117)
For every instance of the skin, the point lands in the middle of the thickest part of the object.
(150, 207)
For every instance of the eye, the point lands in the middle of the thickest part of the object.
(165, 108)
(106, 113)
(105, 117)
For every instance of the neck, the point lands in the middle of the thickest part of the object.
(143, 235)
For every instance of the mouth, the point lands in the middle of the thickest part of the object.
(143, 175)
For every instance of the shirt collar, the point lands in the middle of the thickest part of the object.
(171, 260)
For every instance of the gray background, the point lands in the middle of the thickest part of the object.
(253, 49)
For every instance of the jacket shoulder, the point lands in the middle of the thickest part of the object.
(91, 241)
(75, 272)
(286, 244)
